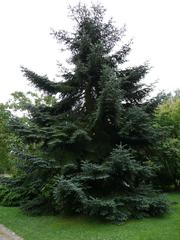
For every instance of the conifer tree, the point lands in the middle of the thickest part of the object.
(94, 142)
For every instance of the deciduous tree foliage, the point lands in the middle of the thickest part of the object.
(96, 138)
(167, 122)
(4, 149)
(7, 139)
(8, 142)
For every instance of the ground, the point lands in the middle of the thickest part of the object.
(78, 228)
(6, 234)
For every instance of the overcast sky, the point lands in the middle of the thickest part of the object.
(25, 38)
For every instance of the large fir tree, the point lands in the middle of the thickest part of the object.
(94, 142)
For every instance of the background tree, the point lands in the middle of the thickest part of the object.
(96, 138)
(4, 149)
(18, 103)
(168, 150)
(8, 141)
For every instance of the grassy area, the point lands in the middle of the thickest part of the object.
(55, 228)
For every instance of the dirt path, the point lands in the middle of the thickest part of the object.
(6, 234)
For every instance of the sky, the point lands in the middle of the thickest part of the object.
(25, 39)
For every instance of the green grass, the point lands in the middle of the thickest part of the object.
(78, 228)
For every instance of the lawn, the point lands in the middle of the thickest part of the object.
(56, 228)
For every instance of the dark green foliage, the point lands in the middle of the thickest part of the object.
(4, 140)
(114, 190)
(8, 142)
(88, 152)
(8, 195)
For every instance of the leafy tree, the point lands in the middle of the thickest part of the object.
(4, 150)
(8, 141)
(96, 138)
(168, 150)
(19, 102)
